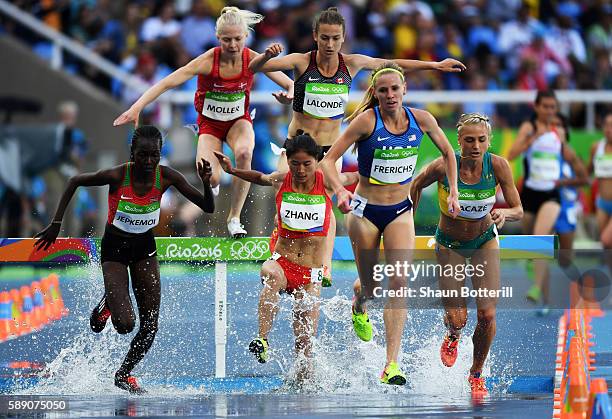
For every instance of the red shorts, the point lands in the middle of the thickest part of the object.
(297, 275)
(218, 129)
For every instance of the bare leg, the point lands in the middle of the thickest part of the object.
(241, 140)
(305, 322)
(273, 282)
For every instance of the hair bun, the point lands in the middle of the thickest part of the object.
(333, 9)
(228, 9)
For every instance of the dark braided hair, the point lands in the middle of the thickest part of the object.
(145, 132)
(302, 141)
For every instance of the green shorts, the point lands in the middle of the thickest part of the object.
(466, 248)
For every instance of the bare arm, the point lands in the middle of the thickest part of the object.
(358, 61)
(580, 177)
(178, 77)
(503, 174)
(591, 166)
(100, 178)
(266, 62)
(524, 138)
(429, 125)
(205, 201)
(357, 129)
(274, 179)
(430, 174)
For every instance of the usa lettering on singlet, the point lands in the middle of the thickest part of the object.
(602, 163)
(223, 106)
(134, 218)
(302, 212)
(325, 100)
(393, 166)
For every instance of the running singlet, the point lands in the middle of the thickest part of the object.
(477, 200)
(132, 213)
(602, 162)
(222, 99)
(322, 97)
(386, 158)
(543, 162)
(301, 215)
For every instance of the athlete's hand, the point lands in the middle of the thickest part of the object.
(283, 97)
(499, 217)
(225, 162)
(204, 171)
(131, 115)
(47, 237)
(344, 197)
(273, 50)
(453, 205)
(450, 65)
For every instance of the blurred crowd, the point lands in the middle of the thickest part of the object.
(506, 44)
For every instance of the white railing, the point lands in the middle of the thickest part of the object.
(61, 42)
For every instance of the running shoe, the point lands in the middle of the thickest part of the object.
(478, 385)
(393, 375)
(236, 230)
(534, 294)
(362, 325)
(215, 190)
(129, 384)
(99, 316)
(448, 350)
(543, 311)
(259, 348)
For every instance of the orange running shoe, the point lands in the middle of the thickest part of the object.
(448, 350)
(128, 383)
(478, 385)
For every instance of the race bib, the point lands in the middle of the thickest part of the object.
(133, 218)
(544, 166)
(302, 212)
(325, 100)
(222, 106)
(394, 166)
(603, 166)
(358, 204)
(476, 203)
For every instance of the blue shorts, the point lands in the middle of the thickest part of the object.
(566, 221)
(604, 205)
(379, 215)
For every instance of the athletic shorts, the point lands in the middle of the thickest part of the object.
(604, 204)
(217, 129)
(532, 200)
(469, 247)
(298, 276)
(127, 250)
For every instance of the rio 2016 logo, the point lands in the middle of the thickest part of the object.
(195, 251)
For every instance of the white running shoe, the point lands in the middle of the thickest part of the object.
(215, 190)
(236, 230)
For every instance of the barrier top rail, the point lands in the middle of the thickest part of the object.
(202, 249)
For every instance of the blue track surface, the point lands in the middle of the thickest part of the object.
(178, 369)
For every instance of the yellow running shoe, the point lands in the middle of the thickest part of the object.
(259, 348)
(362, 326)
(393, 375)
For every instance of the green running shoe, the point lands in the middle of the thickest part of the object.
(259, 348)
(534, 294)
(362, 326)
(393, 375)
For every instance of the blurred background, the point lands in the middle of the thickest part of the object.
(70, 67)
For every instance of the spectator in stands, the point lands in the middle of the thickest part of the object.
(566, 41)
(600, 34)
(540, 63)
(147, 71)
(517, 34)
(198, 29)
(479, 82)
(161, 26)
(378, 25)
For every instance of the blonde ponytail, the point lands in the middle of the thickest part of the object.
(232, 15)
(369, 100)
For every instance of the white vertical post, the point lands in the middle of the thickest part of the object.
(220, 318)
(56, 56)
